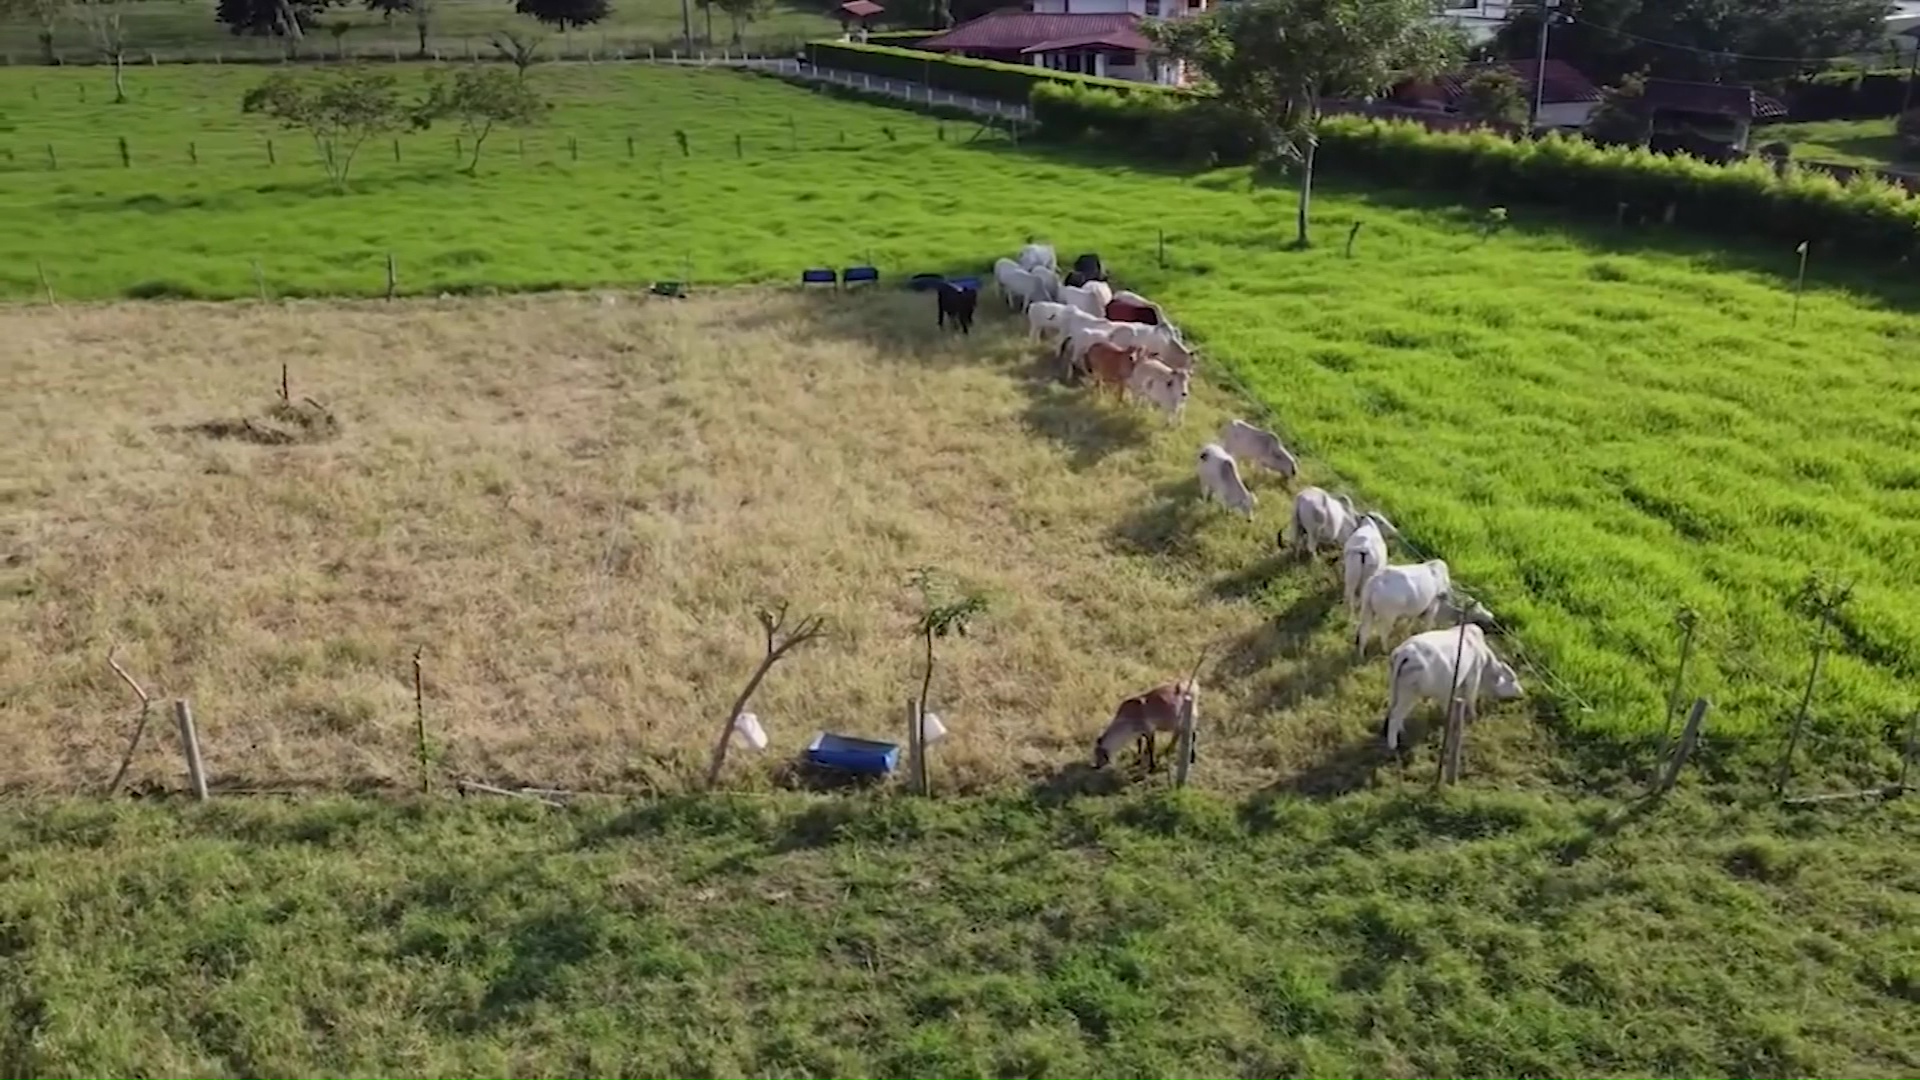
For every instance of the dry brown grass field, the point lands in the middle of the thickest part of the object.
(574, 503)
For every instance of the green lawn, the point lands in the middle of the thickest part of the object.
(1869, 143)
(175, 29)
(1480, 934)
(1595, 428)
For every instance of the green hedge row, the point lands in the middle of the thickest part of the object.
(981, 78)
(1865, 216)
(1848, 95)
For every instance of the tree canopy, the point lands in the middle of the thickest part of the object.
(1707, 40)
(1275, 59)
(270, 18)
(566, 14)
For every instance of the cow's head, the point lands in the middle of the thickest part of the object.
(1503, 681)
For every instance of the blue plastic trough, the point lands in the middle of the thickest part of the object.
(848, 754)
(854, 274)
(674, 289)
(818, 275)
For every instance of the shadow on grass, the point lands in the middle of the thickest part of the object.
(1092, 429)
(1166, 524)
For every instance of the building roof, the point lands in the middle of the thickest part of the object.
(1124, 39)
(1012, 30)
(1717, 99)
(1565, 85)
(861, 9)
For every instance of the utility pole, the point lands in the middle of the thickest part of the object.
(1547, 8)
(686, 26)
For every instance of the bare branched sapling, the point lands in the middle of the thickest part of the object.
(780, 640)
(139, 727)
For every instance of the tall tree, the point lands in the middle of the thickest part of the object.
(46, 15)
(479, 99)
(1708, 40)
(289, 19)
(341, 108)
(565, 14)
(1496, 97)
(741, 12)
(1275, 60)
(101, 18)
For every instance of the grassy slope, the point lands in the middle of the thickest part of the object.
(186, 28)
(1843, 142)
(1480, 934)
(1594, 428)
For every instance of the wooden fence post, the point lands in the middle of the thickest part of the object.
(190, 742)
(1689, 738)
(126, 158)
(270, 158)
(1456, 730)
(1688, 622)
(916, 746)
(393, 277)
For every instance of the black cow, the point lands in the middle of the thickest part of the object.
(1089, 268)
(958, 303)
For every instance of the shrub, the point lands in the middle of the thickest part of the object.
(1847, 95)
(1908, 129)
(982, 78)
(1865, 216)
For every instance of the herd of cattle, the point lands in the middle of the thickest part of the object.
(1126, 343)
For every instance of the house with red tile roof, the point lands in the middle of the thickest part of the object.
(1566, 101)
(1107, 43)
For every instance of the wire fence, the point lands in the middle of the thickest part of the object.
(319, 48)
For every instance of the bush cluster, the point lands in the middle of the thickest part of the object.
(1847, 95)
(1865, 216)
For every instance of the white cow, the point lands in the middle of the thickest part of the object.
(1421, 669)
(1161, 385)
(1082, 333)
(1319, 517)
(1017, 286)
(1045, 317)
(1156, 341)
(1037, 255)
(1091, 298)
(1249, 443)
(1363, 555)
(1046, 282)
(1220, 478)
(1395, 594)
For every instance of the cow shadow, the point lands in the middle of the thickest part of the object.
(1093, 430)
(1167, 523)
(1077, 779)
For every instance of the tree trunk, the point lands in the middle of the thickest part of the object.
(1310, 144)
(119, 78)
(46, 46)
(420, 28)
(709, 10)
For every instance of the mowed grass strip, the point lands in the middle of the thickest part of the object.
(1596, 428)
(1473, 934)
(576, 508)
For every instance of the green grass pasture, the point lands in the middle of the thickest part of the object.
(1596, 428)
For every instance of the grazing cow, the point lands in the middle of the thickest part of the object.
(1082, 333)
(1421, 593)
(1319, 518)
(1161, 385)
(1363, 555)
(1091, 298)
(1249, 443)
(1155, 341)
(1421, 669)
(1220, 478)
(1046, 317)
(1088, 267)
(1034, 256)
(957, 303)
(1127, 298)
(1111, 366)
(1046, 283)
(1143, 716)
